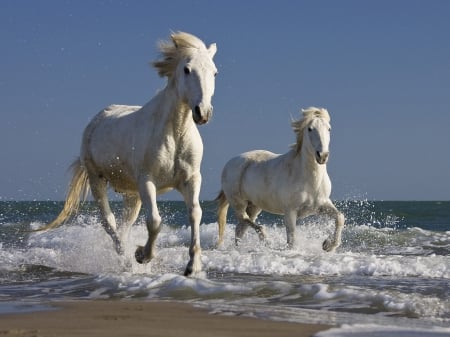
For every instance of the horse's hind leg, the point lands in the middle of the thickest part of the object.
(253, 212)
(246, 215)
(240, 209)
(131, 207)
(222, 210)
(241, 228)
(99, 188)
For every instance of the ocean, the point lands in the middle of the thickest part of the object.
(391, 273)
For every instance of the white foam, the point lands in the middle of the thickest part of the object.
(87, 248)
(79, 247)
(309, 258)
(372, 330)
(171, 286)
(83, 246)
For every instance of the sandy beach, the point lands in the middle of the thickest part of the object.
(138, 318)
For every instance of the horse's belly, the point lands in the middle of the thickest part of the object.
(120, 180)
(270, 206)
(261, 193)
(124, 181)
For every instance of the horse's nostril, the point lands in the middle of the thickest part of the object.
(321, 157)
(197, 111)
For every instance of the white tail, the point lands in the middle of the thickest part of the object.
(222, 215)
(78, 191)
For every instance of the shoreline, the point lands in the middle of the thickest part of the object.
(102, 318)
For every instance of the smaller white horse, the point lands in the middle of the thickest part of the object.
(295, 184)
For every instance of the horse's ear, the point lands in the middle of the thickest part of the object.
(212, 49)
(174, 42)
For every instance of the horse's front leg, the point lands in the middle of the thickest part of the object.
(339, 220)
(147, 191)
(191, 193)
(290, 221)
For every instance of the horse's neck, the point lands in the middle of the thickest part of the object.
(308, 168)
(170, 111)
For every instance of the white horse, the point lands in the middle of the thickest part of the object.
(144, 151)
(295, 184)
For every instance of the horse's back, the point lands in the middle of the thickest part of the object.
(112, 114)
(258, 156)
(120, 109)
(238, 164)
(110, 117)
(110, 126)
(236, 168)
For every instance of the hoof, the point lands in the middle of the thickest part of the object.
(261, 233)
(193, 268)
(128, 265)
(188, 271)
(140, 255)
(219, 244)
(119, 247)
(328, 246)
(120, 251)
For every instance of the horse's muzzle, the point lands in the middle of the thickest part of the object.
(322, 157)
(201, 116)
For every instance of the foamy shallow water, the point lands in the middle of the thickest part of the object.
(371, 330)
(379, 277)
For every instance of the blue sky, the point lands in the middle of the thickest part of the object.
(381, 68)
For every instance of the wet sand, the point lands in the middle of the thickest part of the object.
(139, 318)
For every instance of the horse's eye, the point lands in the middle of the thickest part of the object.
(215, 74)
(187, 71)
(310, 129)
(329, 129)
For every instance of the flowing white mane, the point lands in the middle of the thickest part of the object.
(181, 45)
(308, 115)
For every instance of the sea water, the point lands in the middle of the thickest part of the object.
(390, 277)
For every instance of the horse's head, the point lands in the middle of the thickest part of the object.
(189, 66)
(313, 133)
(318, 138)
(195, 80)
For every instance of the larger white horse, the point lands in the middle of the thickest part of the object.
(295, 184)
(144, 151)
